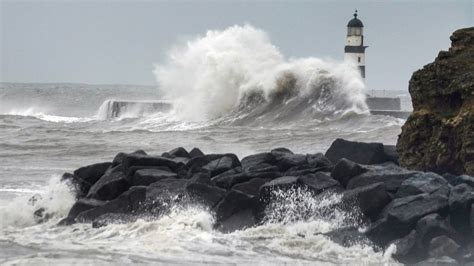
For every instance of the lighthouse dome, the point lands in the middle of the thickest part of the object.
(355, 22)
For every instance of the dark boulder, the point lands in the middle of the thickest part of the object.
(461, 199)
(145, 177)
(391, 153)
(415, 246)
(131, 171)
(316, 183)
(84, 177)
(199, 162)
(286, 161)
(109, 186)
(251, 187)
(179, 152)
(83, 205)
(205, 193)
(344, 170)
(227, 181)
(237, 206)
(318, 160)
(132, 159)
(161, 195)
(130, 202)
(254, 160)
(263, 167)
(240, 220)
(281, 150)
(371, 199)
(464, 179)
(119, 157)
(391, 174)
(359, 152)
(221, 165)
(196, 152)
(443, 246)
(422, 183)
(400, 216)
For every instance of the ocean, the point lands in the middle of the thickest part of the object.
(232, 91)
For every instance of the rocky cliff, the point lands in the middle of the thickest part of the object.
(439, 134)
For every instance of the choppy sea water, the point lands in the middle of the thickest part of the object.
(46, 130)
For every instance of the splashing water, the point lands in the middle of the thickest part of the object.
(238, 67)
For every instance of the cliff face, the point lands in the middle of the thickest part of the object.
(439, 134)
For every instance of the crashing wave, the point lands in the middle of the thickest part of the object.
(237, 74)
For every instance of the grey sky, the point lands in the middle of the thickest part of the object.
(118, 41)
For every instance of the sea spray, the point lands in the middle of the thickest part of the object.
(212, 76)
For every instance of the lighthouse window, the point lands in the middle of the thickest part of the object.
(358, 59)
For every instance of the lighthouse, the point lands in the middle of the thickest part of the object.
(355, 49)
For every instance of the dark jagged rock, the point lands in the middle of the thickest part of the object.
(285, 161)
(179, 152)
(236, 211)
(251, 187)
(463, 179)
(439, 134)
(318, 160)
(221, 165)
(415, 247)
(316, 183)
(195, 152)
(359, 152)
(461, 199)
(391, 153)
(442, 246)
(119, 157)
(199, 162)
(129, 202)
(422, 183)
(401, 215)
(205, 193)
(371, 199)
(84, 177)
(344, 170)
(391, 174)
(131, 171)
(254, 160)
(83, 205)
(109, 186)
(133, 159)
(145, 177)
(227, 181)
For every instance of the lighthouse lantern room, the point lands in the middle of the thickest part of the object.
(355, 49)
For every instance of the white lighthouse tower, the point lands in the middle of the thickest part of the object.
(355, 49)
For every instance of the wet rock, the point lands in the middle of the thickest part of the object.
(461, 199)
(281, 150)
(130, 202)
(199, 162)
(41, 215)
(84, 177)
(221, 165)
(227, 181)
(233, 203)
(371, 199)
(344, 170)
(415, 247)
(390, 174)
(400, 216)
(263, 167)
(318, 160)
(179, 152)
(205, 193)
(145, 177)
(422, 183)
(196, 152)
(464, 179)
(119, 157)
(238, 221)
(442, 246)
(286, 161)
(83, 205)
(109, 186)
(438, 136)
(133, 159)
(359, 152)
(251, 187)
(391, 153)
(161, 195)
(317, 183)
(254, 160)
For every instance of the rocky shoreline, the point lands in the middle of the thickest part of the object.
(425, 215)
